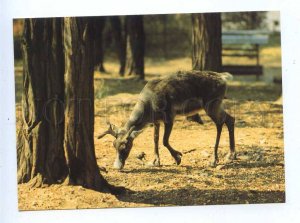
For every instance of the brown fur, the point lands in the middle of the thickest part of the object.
(183, 93)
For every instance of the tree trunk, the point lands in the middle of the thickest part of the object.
(40, 139)
(135, 45)
(207, 42)
(165, 35)
(120, 40)
(79, 106)
(99, 23)
(253, 20)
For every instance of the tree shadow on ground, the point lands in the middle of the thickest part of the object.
(113, 86)
(194, 196)
(246, 91)
(252, 92)
(152, 170)
(251, 165)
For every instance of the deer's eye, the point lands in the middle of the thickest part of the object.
(122, 147)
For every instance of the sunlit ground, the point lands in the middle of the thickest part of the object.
(256, 177)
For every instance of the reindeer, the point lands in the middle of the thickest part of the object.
(183, 93)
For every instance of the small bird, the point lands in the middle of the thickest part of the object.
(141, 156)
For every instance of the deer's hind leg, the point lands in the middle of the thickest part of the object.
(216, 112)
(229, 121)
(168, 129)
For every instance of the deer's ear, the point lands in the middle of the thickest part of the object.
(115, 128)
(134, 134)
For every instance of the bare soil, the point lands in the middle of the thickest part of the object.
(257, 176)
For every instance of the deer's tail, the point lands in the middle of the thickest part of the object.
(226, 76)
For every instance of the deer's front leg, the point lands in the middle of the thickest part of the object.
(176, 155)
(156, 161)
(216, 158)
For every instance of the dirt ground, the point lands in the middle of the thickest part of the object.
(257, 176)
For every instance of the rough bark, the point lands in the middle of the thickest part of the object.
(79, 106)
(120, 40)
(207, 42)
(99, 23)
(40, 139)
(135, 45)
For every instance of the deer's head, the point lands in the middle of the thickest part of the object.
(123, 142)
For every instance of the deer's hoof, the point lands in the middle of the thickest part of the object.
(156, 162)
(213, 163)
(230, 157)
(177, 158)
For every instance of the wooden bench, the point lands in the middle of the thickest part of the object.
(243, 43)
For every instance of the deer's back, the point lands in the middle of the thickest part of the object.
(182, 86)
(184, 93)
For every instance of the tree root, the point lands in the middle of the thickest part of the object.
(37, 181)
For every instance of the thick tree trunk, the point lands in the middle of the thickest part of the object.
(120, 40)
(40, 140)
(79, 106)
(135, 45)
(99, 23)
(207, 42)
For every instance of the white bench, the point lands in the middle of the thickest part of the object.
(243, 43)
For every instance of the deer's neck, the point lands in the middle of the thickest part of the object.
(137, 117)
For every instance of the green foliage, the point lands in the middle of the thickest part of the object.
(274, 40)
(244, 20)
(169, 36)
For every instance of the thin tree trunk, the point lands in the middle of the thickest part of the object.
(207, 42)
(120, 40)
(99, 23)
(165, 35)
(40, 140)
(253, 23)
(79, 109)
(135, 45)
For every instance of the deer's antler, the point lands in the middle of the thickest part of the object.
(110, 131)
